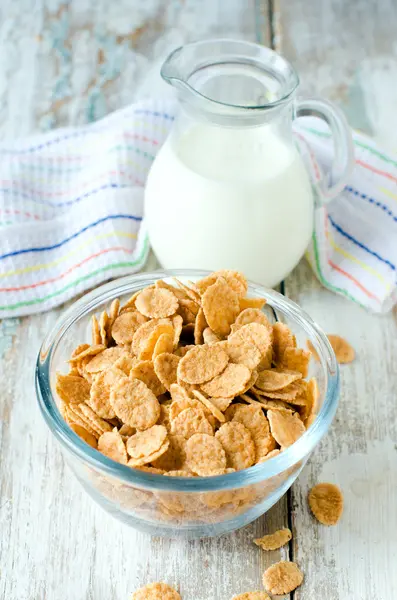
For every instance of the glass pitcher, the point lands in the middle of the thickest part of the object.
(228, 189)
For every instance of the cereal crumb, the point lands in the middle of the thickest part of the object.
(326, 503)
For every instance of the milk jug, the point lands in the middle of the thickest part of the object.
(228, 189)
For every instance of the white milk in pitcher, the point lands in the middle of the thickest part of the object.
(229, 198)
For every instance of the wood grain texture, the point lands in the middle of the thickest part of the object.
(340, 49)
(77, 61)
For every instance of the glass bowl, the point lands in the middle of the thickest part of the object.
(180, 506)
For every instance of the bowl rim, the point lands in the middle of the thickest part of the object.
(255, 474)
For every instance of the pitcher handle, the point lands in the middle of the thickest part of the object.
(343, 162)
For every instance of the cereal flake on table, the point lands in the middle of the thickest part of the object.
(189, 379)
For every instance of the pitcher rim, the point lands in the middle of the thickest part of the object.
(291, 88)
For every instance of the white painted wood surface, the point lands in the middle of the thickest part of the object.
(70, 63)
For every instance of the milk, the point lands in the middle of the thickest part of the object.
(229, 198)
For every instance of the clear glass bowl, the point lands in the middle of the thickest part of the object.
(169, 506)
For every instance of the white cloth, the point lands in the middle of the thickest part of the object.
(71, 207)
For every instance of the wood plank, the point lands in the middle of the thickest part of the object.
(55, 543)
(343, 51)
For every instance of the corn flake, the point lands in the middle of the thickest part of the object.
(286, 427)
(238, 444)
(190, 421)
(202, 363)
(156, 303)
(72, 388)
(156, 591)
(221, 306)
(326, 503)
(144, 370)
(205, 455)
(135, 404)
(230, 382)
(274, 541)
(111, 444)
(165, 367)
(282, 578)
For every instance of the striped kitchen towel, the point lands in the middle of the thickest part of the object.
(71, 208)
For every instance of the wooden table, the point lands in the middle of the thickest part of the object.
(70, 63)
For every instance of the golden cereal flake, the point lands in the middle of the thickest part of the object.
(125, 326)
(259, 336)
(104, 327)
(101, 387)
(222, 403)
(105, 359)
(234, 279)
(156, 303)
(188, 310)
(199, 325)
(164, 418)
(202, 363)
(174, 459)
(295, 393)
(344, 352)
(177, 323)
(296, 359)
(313, 351)
(85, 435)
(126, 430)
(272, 380)
(135, 404)
(286, 427)
(210, 337)
(100, 425)
(165, 343)
(253, 418)
(147, 469)
(125, 363)
(268, 404)
(111, 444)
(148, 346)
(138, 462)
(190, 292)
(253, 315)
(282, 578)
(326, 503)
(252, 596)
(84, 351)
(221, 306)
(283, 338)
(130, 303)
(144, 370)
(72, 389)
(165, 367)
(178, 392)
(210, 405)
(114, 311)
(144, 331)
(144, 443)
(205, 455)
(73, 416)
(238, 444)
(241, 350)
(190, 421)
(156, 591)
(231, 382)
(275, 540)
(252, 303)
(270, 454)
(95, 332)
